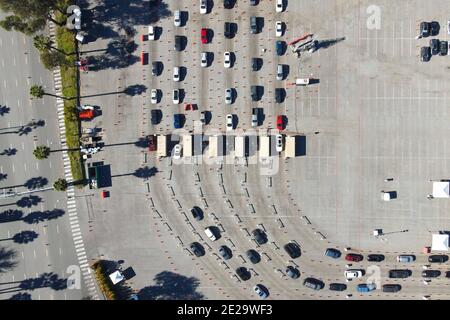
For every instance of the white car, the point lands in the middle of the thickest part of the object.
(228, 96)
(176, 96)
(177, 151)
(229, 122)
(204, 60)
(278, 28)
(279, 142)
(86, 107)
(227, 59)
(154, 96)
(203, 6)
(176, 74)
(254, 117)
(279, 7)
(151, 33)
(177, 18)
(353, 274)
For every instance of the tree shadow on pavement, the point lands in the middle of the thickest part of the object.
(4, 110)
(23, 237)
(171, 286)
(45, 280)
(35, 183)
(21, 296)
(39, 216)
(10, 215)
(7, 262)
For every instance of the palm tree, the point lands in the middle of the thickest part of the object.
(60, 185)
(41, 152)
(37, 91)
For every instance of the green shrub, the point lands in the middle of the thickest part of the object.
(103, 280)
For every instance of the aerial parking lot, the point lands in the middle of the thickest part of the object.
(370, 120)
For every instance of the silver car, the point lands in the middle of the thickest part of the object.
(177, 18)
(405, 258)
(204, 59)
(228, 96)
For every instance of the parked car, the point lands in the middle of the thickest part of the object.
(151, 33)
(425, 54)
(229, 122)
(255, 64)
(155, 68)
(176, 74)
(211, 233)
(354, 257)
(292, 249)
(313, 283)
(353, 273)
(228, 95)
(203, 6)
(178, 43)
(363, 287)
(434, 28)
(443, 48)
(177, 151)
(338, 287)
(154, 116)
(391, 287)
(204, 35)
(425, 29)
(278, 29)
(253, 25)
(204, 59)
(151, 142)
(333, 253)
(243, 273)
(225, 252)
(280, 123)
(227, 4)
(176, 96)
(254, 93)
(197, 213)
(279, 45)
(227, 59)
(154, 96)
(435, 46)
(431, 273)
(254, 117)
(177, 18)
(438, 258)
(447, 274)
(203, 117)
(227, 30)
(253, 256)
(279, 95)
(177, 121)
(400, 273)
(375, 257)
(261, 291)
(280, 72)
(279, 6)
(253, 2)
(292, 272)
(279, 142)
(259, 236)
(197, 249)
(404, 258)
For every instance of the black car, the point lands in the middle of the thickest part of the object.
(279, 46)
(243, 273)
(197, 249)
(425, 54)
(338, 286)
(391, 287)
(178, 43)
(155, 68)
(435, 46)
(154, 116)
(253, 256)
(279, 95)
(260, 236)
(255, 64)
(253, 2)
(293, 250)
(225, 252)
(375, 257)
(400, 273)
(254, 93)
(228, 4)
(197, 213)
(438, 258)
(431, 273)
(434, 28)
(227, 30)
(313, 283)
(425, 29)
(447, 274)
(443, 48)
(292, 272)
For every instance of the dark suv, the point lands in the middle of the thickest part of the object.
(425, 29)
(227, 30)
(253, 256)
(279, 95)
(260, 236)
(254, 93)
(314, 284)
(279, 46)
(243, 273)
(443, 48)
(391, 287)
(438, 258)
(155, 116)
(400, 273)
(375, 257)
(197, 249)
(425, 54)
(431, 273)
(338, 286)
(255, 64)
(292, 249)
(197, 213)
(435, 46)
(178, 43)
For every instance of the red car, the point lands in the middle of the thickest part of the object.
(353, 257)
(280, 124)
(152, 143)
(204, 35)
(86, 114)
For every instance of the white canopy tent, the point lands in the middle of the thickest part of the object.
(441, 189)
(116, 277)
(439, 242)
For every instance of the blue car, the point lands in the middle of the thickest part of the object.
(366, 287)
(279, 45)
(177, 121)
(333, 253)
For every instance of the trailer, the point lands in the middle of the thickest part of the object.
(239, 146)
(264, 146)
(215, 145)
(161, 149)
(187, 146)
(289, 147)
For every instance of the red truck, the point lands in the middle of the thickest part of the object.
(86, 114)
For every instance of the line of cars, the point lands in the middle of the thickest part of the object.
(436, 46)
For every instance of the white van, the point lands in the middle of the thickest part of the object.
(151, 33)
(280, 72)
(210, 234)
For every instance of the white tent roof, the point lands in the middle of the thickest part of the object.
(116, 277)
(441, 189)
(440, 242)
